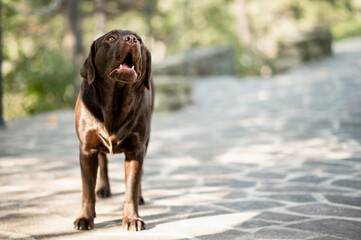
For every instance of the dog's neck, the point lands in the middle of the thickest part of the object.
(120, 104)
(116, 103)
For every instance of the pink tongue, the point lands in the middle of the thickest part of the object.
(126, 65)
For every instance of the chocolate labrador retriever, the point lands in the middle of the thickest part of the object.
(112, 115)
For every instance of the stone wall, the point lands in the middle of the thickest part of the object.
(216, 60)
(173, 76)
(303, 47)
(172, 92)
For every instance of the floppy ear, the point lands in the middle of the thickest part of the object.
(148, 71)
(88, 69)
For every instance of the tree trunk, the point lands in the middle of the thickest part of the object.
(100, 18)
(72, 41)
(148, 9)
(2, 123)
(243, 25)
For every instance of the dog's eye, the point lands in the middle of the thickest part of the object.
(110, 38)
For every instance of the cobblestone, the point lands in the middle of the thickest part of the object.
(252, 158)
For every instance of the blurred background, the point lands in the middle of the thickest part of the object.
(45, 42)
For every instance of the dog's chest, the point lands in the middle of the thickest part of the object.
(110, 142)
(101, 140)
(98, 136)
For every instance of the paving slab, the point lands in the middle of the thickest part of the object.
(252, 158)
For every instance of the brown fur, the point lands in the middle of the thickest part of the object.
(112, 115)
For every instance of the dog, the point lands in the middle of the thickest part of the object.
(112, 115)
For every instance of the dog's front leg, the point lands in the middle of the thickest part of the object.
(133, 171)
(89, 167)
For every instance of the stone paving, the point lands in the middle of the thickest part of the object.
(250, 159)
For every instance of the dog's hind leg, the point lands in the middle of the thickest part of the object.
(140, 196)
(103, 189)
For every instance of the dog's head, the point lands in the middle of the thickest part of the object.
(120, 56)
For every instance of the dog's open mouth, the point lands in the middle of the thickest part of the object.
(126, 68)
(128, 62)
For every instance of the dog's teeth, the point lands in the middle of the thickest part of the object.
(133, 67)
(121, 65)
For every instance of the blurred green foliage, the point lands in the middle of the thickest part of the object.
(346, 29)
(37, 83)
(38, 74)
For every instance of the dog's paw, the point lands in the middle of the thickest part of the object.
(104, 192)
(83, 223)
(136, 224)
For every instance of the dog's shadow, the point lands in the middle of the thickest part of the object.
(110, 223)
(118, 223)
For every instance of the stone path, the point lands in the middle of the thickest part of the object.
(251, 159)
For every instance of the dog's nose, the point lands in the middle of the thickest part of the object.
(131, 39)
